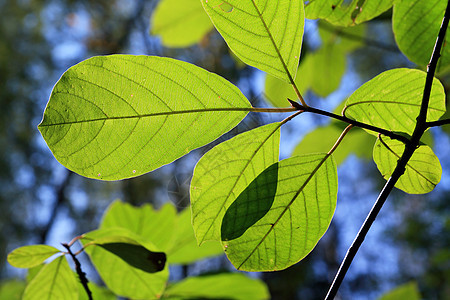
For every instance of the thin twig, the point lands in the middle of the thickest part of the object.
(410, 147)
(438, 123)
(81, 275)
(385, 132)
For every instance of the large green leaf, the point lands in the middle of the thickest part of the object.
(343, 13)
(279, 218)
(408, 291)
(416, 25)
(264, 34)
(120, 277)
(119, 116)
(157, 227)
(423, 170)
(356, 142)
(392, 100)
(54, 281)
(225, 171)
(219, 286)
(98, 293)
(132, 253)
(31, 256)
(278, 91)
(180, 23)
(185, 249)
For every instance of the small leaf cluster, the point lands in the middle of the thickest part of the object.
(131, 251)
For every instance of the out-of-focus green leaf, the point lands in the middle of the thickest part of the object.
(355, 142)
(416, 25)
(120, 116)
(343, 13)
(31, 256)
(32, 272)
(392, 100)
(277, 91)
(185, 249)
(279, 218)
(423, 170)
(120, 277)
(180, 23)
(55, 281)
(264, 34)
(225, 171)
(329, 64)
(347, 38)
(220, 286)
(407, 291)
(12, 289)
(133, 253)
(157, 227)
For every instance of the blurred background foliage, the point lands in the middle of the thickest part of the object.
(42, 202)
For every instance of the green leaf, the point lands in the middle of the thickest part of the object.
(54, 281)
(356, 141)
(12, 289)
(119, 116)
(406, 291)
(31, 256)
(219, 286)
(264, 34)
(225, 171)
(133, 253)
(277, 91)
(185, 249)
(120, 277)
(343, 13)
(146, 222)
(180, 23)
(348, 38)
(416, 25)
(329, 64)
(392, 100)
(279, 218)
(32, 272)
(423, 170)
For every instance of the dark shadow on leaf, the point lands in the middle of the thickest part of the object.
(251, 205)
(137, 256)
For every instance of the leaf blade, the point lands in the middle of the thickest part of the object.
(119, 116)
(276, 27)
(31, 256)
(223, 172)
(297, 216)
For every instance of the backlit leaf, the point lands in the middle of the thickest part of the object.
(55, 281)
(264, 34)
(31, 256)
(416, 25)
(346, 13)
(225, 171)
(180, 23)
(132, 253)
(423, 170)
(120, 277)
(279, 218)
(392, 100)
(220, 286)
(185, 249)
(11, 289)
(157, 226)
(119, 116)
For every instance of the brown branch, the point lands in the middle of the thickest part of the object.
(81, 275)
